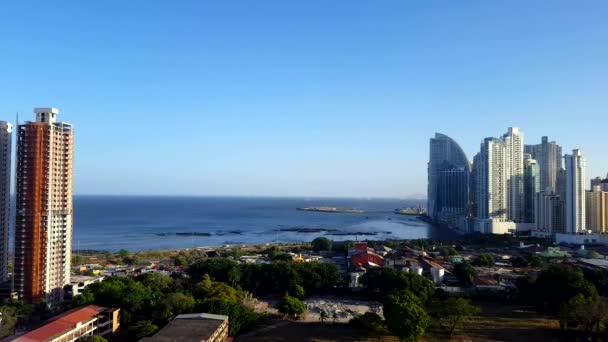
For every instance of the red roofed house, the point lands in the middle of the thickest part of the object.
(362, 256)
(74, 324)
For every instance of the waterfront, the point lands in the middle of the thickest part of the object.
(146, 223)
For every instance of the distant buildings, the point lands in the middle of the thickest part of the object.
(75, 325)
(596, 202)
(531, 187)
(43, 219)
(513, 187)
(449, 174)
(6, 131)
(549, 212)
(575, 192)
(549, 158)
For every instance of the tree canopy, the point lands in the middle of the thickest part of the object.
(405, 317)
(321, 244)
(291, 306)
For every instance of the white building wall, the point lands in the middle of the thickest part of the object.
(575, 192)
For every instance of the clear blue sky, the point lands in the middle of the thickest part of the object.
(313, 98)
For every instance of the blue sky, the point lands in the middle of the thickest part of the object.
(311, 98)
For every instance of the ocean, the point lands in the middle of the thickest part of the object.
(147, 223)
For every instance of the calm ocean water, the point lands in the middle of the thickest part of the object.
(145, 223)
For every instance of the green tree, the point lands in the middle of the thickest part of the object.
(447, 252)
(536, 260)
(321, 244)
(241, 317)
(587, 312)
(405, 317)
(465, 273)
(557, 284)
(382, 281)
(297, 291)
(141, 329)
(180, 260)
(519, 262)
(291, 306)
(485, 260)
(217, 268)
(123, 253)
(157, 282)
(593, 255)
(323, 316)
(369, 323)
(175, 304)
(211, 289)
(453, 312)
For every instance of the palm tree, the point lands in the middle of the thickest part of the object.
(323, 316)
(334, 316)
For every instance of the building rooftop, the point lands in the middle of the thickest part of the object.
(60, 324)
(189, 328)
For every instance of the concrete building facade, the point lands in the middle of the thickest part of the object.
(549, 212)
(597, 210)
(531, 187)
(514, 168)
(549, 157)
(6, 133)
(43, 219)
(575, 192)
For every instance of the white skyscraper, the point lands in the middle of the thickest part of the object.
(514, 168)
(6, 131)
(491, 178)
(500, 178)
(575, 192)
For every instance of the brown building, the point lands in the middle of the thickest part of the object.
(43, 202)
(75, 324)
(197, 327)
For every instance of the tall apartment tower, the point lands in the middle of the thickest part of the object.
(6, 131)
(514, 158)
(575, 192)
(549, 211)
(43, 202)
(549, 157)
(597, 209)
(491, 178)
(531, 187)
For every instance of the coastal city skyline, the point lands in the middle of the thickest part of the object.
(288, 99)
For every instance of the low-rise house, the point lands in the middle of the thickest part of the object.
(78, 284)
(198, 327)
(76, 324)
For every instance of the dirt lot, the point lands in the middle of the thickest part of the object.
(498, 322)
(309, 332)
(501, 322)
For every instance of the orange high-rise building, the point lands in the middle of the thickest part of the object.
(43, 202)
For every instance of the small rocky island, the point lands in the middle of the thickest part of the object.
(332, 210)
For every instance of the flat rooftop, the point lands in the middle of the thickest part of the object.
(188, 328)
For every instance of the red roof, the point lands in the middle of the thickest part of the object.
(61, 324)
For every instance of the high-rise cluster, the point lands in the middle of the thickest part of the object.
(512, 186)
(43, 206)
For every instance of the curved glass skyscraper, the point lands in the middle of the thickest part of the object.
(449, 172)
